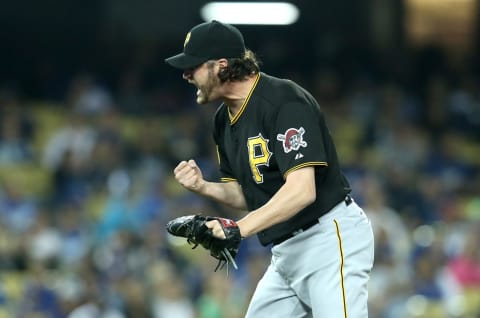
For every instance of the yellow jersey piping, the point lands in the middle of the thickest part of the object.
(234, 119)
(218, 153)
(305, 164)
(227, 179)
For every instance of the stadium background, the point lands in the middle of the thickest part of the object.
(93, 122)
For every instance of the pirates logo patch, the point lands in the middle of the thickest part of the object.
(292, 139)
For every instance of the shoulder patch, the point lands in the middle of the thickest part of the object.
(292, 139)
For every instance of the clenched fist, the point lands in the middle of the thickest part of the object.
(189, 175)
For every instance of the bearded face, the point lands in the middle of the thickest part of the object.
(207, 84)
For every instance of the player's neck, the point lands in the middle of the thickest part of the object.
(236, 93)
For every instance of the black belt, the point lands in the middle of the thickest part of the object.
(348, 200)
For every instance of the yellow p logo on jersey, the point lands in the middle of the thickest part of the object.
(258, 155)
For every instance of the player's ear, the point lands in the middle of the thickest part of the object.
(222, 63)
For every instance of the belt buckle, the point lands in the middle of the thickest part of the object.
(348, 200)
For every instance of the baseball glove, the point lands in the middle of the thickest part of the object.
(193, 228)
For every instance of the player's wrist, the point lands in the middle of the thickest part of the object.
(199, 187)
(243, 230)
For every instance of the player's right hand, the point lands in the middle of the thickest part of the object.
(189, 175)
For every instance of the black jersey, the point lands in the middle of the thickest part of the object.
(279, 128)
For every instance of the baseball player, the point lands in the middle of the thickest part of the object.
(278, 161)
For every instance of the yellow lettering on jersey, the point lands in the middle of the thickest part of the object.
(258, 155)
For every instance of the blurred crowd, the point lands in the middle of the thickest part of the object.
(86, 187)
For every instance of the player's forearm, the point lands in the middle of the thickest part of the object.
(229, 194)
(296, 194)
(279, 209)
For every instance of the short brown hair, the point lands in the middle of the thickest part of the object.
(239, 69)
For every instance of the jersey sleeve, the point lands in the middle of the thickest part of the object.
(299, 140)
(226, 174)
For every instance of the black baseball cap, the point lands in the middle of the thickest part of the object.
(207, 41)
